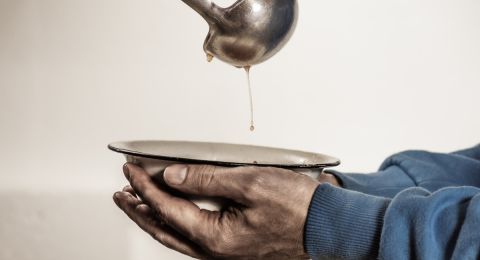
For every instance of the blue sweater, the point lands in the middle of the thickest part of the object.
(419, 205)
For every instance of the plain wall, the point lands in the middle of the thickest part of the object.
(359, 80)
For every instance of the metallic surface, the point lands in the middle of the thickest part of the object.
(248, 32)
(224, 154)
(155, 156)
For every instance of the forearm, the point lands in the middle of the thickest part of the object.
(344, 224)
(439, 225)
(385, 183)
(347, 223)
(431, 171)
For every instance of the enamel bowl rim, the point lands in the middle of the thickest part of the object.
(124, 147)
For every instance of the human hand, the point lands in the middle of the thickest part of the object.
(266, 219)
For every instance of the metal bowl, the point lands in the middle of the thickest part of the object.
(155, 156)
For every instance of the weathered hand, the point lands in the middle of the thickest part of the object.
(265, 220)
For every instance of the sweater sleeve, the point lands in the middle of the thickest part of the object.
(439, 225)
(419, 205)
(431, 171)
(415, 224)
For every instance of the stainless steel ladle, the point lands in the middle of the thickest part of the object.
(248, 32)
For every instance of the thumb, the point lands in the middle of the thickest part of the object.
(208, 180)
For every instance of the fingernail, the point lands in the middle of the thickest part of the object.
(116, 197)
(175, 174)
(126, 171)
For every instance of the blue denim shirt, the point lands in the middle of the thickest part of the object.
(419, 205)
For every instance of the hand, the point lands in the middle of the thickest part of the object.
(266, 219)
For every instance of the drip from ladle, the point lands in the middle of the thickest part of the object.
(209, 57)
(252, 124)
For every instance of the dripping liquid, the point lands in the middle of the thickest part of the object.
(252, 124)
(209, 57)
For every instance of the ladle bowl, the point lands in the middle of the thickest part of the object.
(248, 32)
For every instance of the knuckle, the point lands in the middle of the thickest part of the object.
(223, 245)
(254, 183)
(151, 222)
(203, 177)
(164, 215)
(217, 248)
(140, 209)
(159, 236)
(258, 182)
(147, 193)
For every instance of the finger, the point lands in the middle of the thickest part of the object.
(145, 218)
(130, 190)
(211, 181)
(184, 216)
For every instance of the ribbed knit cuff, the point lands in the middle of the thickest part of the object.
(343, 224)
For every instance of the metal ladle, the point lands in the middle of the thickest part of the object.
(249, 32)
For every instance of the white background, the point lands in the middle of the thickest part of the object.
(359, 80)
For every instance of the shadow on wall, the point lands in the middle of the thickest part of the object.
(61, 226)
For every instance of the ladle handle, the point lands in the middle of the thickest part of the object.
(206, 8)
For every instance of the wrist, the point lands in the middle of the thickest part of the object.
(344, 224)
(329, 178)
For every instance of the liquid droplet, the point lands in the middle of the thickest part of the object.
(209, 57)
(252, 124)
